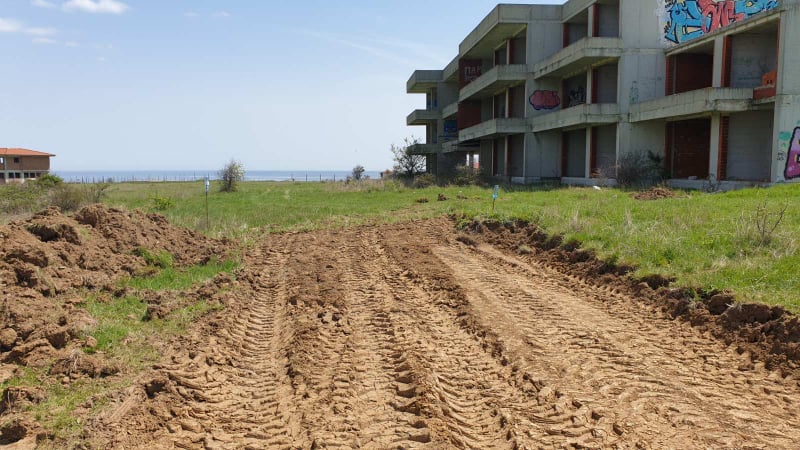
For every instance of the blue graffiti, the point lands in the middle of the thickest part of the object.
(690, 19)
(683, 17)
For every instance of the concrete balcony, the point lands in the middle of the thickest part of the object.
(578, 57)
(450, 110)
(493, 81)
(577, 116)
(694, 103)
(425, 149)
(574, 7)
(504, 22)
(493, 128)
(450, 73)
(423, 117)
(423, 80)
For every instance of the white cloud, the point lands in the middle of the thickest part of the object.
(10, 26)
(96, 6)
(215, 15)
(44, 41)
(37, 31)
(43, 4)
(14, 26)
(71, 44)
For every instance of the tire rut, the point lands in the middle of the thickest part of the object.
(236, 390)
(352, 368)
(659, 386)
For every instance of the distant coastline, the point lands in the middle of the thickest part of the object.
(118, 176)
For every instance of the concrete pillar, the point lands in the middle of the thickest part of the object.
(591, 31)
(587, 171)
(525, 157)
(719, 57)
(713, 147)
(589, 86)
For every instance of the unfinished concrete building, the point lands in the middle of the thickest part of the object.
(707, 88)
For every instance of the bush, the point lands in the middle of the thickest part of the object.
(358, 172)
(67, 197)
(49, 180)
(466, 176)
(406, 164)
(96, 192)
(639, 169)
(162, 203)
(231, 175)
(424, 180)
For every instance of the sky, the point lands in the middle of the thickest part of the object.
(192, 84)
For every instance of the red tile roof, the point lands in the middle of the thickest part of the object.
(22, 152)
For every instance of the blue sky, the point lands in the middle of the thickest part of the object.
(190, 84)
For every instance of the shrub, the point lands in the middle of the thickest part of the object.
(425, 180)
(162, 203)
(405, 163)
(231, 175)
(96, 192)
(67, 197)
(49, 180)
(358, 172)
(466, 176)
(639, 169)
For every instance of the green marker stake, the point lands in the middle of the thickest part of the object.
(494, 195)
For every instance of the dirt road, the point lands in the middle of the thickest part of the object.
(403, 337)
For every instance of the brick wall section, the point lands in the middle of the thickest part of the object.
(27, 163)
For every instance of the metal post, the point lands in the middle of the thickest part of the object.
(208, 222)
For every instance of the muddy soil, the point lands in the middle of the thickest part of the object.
(49, 263)
(415, 336)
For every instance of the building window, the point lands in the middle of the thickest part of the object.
(16, 160)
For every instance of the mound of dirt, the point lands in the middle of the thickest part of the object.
(45, 258)
(654, 193)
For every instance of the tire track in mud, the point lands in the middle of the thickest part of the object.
(400, 337)
(350, 381)
(658, 382)
(236, 389)
(470, 393)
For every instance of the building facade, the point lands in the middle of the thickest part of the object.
(18, 165)
(708, 89)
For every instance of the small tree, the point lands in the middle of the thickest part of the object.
(231, 175)
(406, 164)
(358, 172)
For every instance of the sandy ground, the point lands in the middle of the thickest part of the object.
(407, 336)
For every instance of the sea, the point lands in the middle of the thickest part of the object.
(119, 176)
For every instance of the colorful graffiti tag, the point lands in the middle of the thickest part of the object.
(689, 19)
(545, 100)
(793, 158)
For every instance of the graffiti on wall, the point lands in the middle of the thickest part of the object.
(545, 100)
(685, 20)
(469, 70)
(792, 169)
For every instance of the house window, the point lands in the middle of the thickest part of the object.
(16, 160)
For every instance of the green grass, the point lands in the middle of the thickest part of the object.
(273, 206)
(172, 278)
(704, 240)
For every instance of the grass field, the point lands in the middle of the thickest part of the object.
(711, 241)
